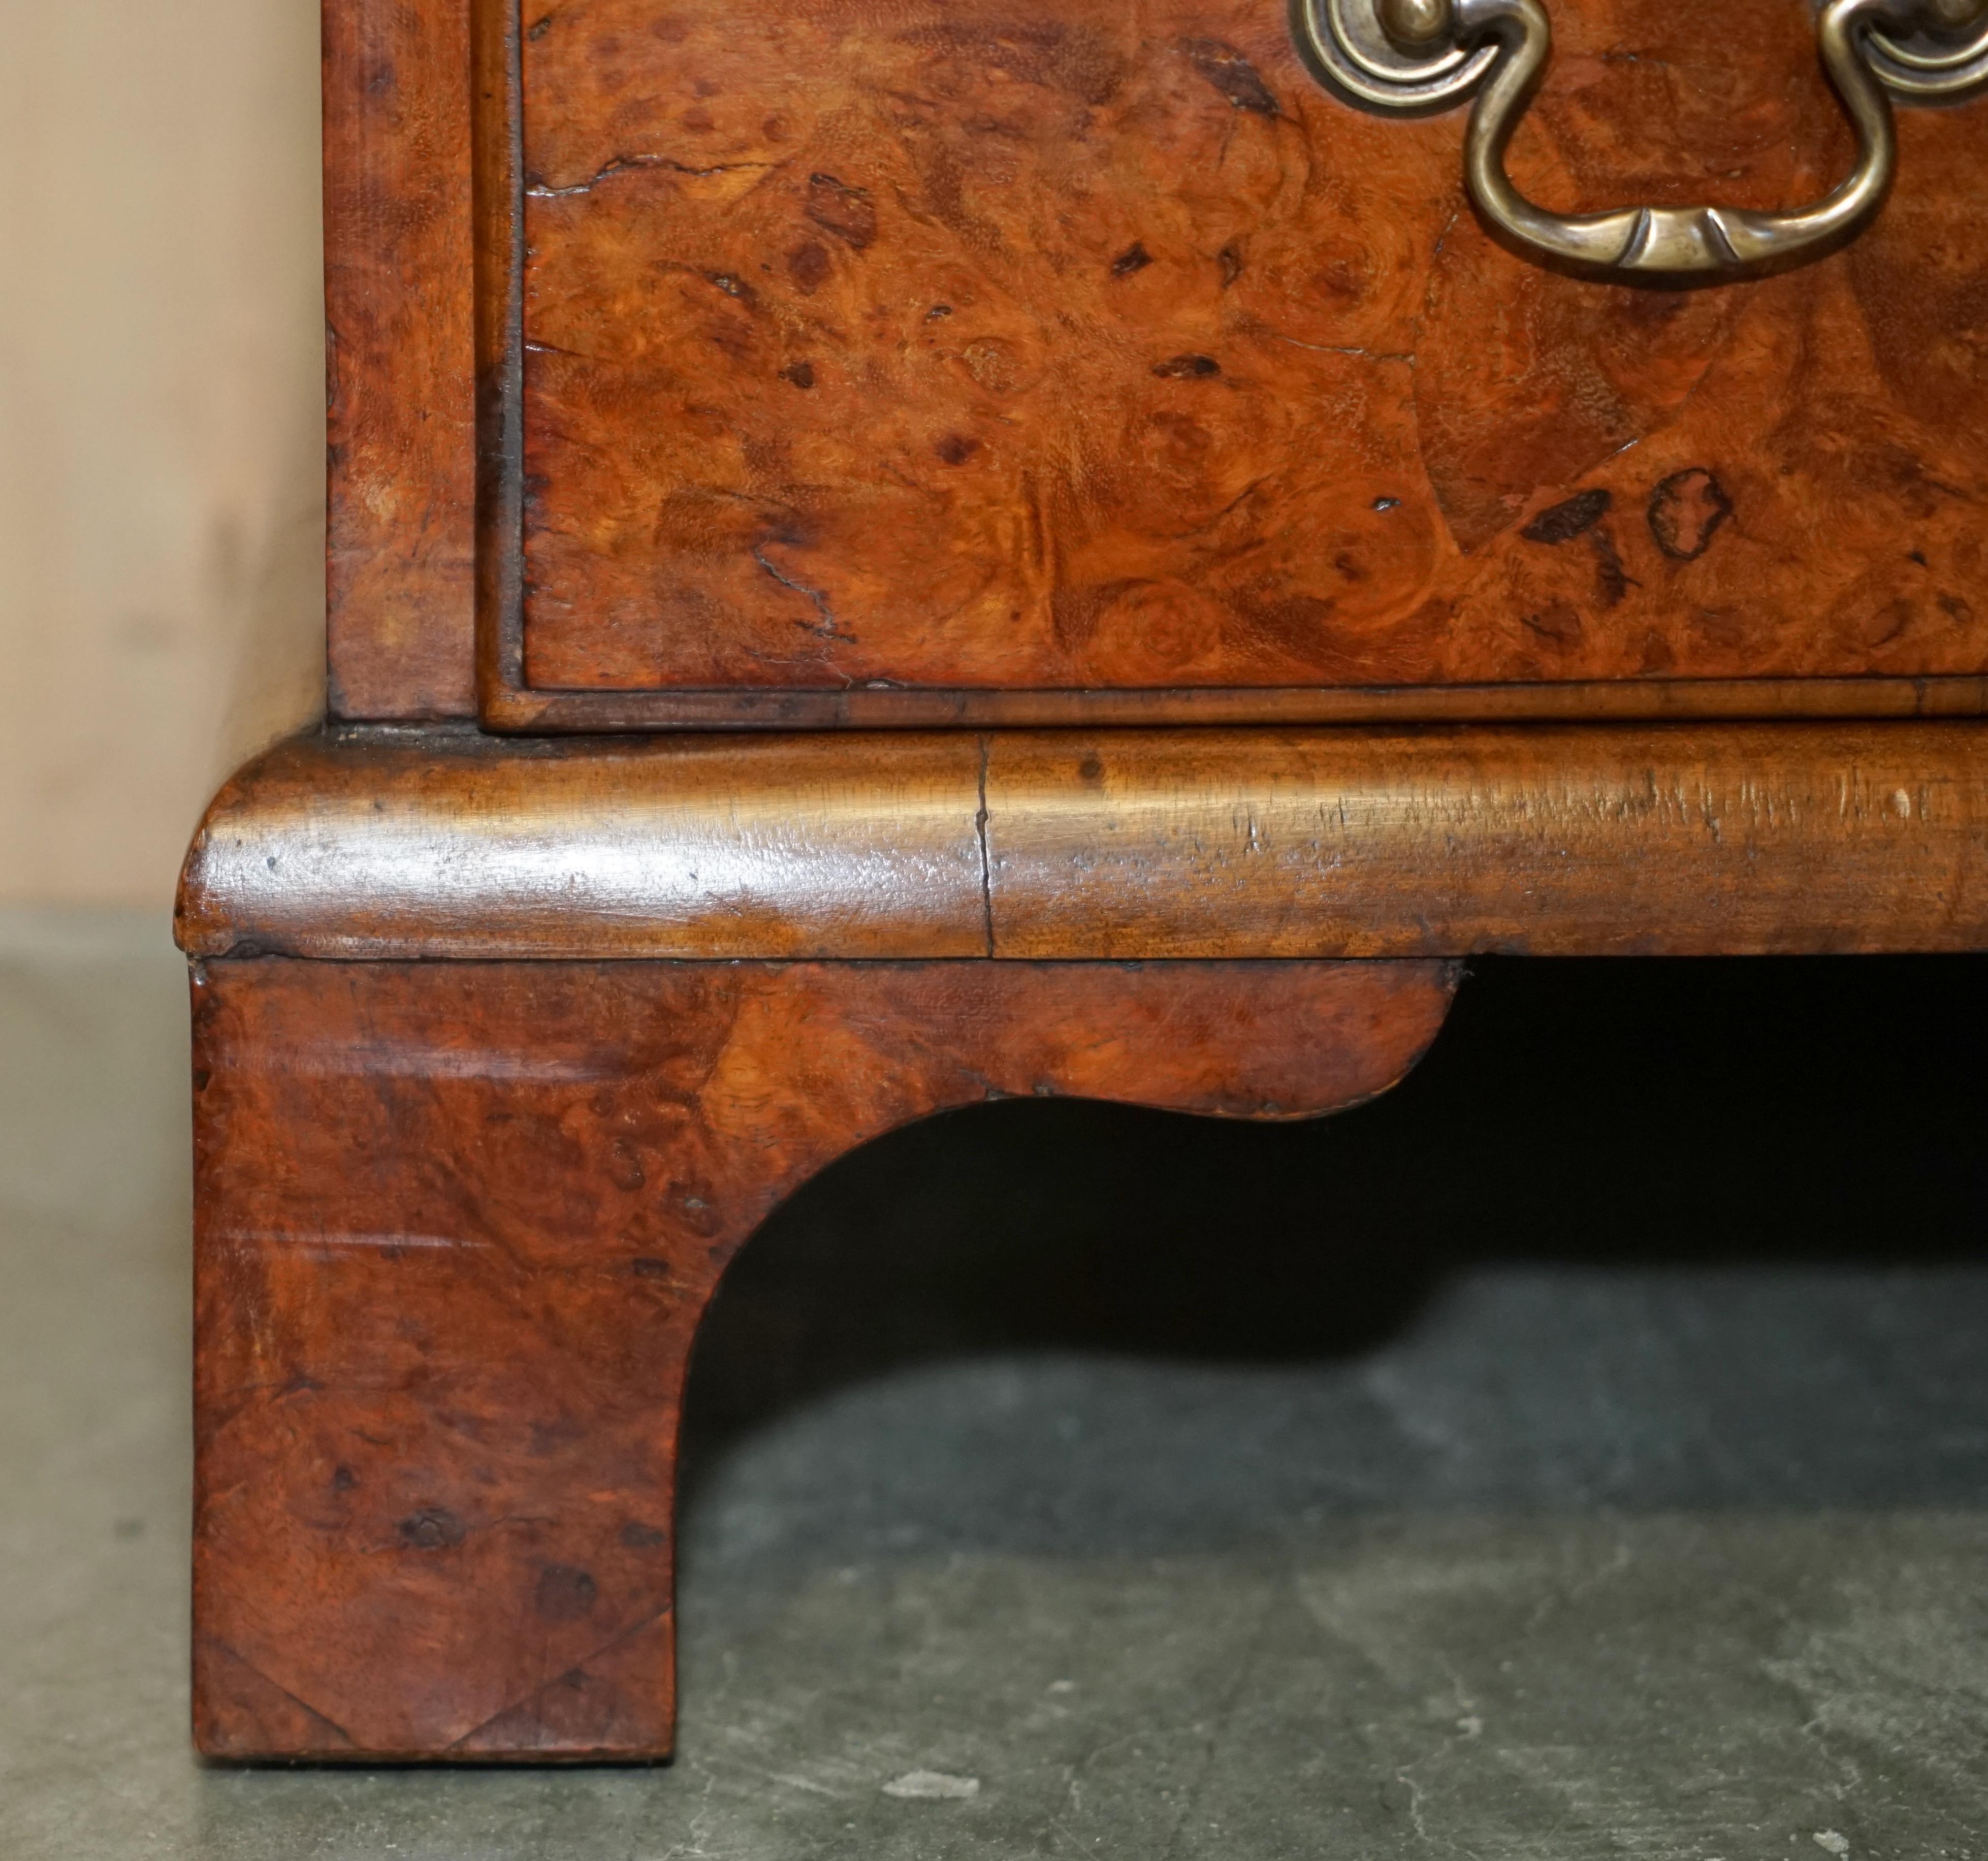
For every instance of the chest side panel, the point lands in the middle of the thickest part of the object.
(400, 357)
(1096, 346)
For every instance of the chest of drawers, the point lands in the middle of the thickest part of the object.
(885, 557)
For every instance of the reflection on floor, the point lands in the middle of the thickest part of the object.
(1583, 1450)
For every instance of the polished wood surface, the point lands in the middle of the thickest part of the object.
(457, 1224)
(1695, 588)
(401, 406)
(1672, 839)
(362, 844)
(943, 348)
(1684, 841)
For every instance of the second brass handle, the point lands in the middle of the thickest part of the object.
(1425, 52)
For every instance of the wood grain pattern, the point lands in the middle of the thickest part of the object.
(949, 346)
(457, 1224)
(401, 410)
(1674, 839)
(359, 844)
(1757, 840)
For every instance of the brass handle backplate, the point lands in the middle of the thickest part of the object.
(1418, 55)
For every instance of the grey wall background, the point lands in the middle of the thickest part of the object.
(161, 408)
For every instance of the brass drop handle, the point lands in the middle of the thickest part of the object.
(1419, 55)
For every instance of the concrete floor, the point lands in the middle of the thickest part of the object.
(1583, 1452)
